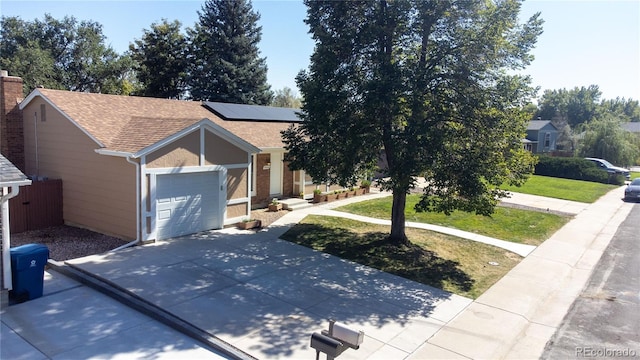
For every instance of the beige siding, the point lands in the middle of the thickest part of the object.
(221, 152)
(238, 210)
(308, 189)
(98, 190)
(182, 152)
(237, 183)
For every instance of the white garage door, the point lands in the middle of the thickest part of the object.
(187, 203)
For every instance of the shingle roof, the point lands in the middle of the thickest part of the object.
(632, 127)
(131, 123)
(11, 175)
(538, 124)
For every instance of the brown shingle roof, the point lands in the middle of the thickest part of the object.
(131, 123)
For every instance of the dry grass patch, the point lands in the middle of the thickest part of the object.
(457, 265)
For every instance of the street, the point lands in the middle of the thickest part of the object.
(604, 321)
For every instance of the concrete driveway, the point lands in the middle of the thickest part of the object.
(267, 296)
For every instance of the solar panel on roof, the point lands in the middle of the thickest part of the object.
(253, 112)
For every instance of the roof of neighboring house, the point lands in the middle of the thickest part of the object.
(10, 175)
(632, 127)
(253, 112)
(539, 124)
(131, 123)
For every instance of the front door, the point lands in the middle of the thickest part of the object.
(275, 175)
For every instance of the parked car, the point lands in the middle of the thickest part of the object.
(610, 168)
(632, 192)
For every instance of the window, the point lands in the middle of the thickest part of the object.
(547, 140)
(43, 113)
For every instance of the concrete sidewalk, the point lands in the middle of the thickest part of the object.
(516, 317)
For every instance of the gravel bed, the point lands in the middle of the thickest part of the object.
(67, 242)
(267, 217)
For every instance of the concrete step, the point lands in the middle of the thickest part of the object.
(295, 203)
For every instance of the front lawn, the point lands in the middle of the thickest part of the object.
(566, 189)
(520, 226)
(457, 265)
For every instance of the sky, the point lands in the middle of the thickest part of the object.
(584, 42)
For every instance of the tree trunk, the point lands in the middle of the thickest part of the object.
(398, 235)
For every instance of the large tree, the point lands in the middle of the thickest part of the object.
(605, 138)
(161, 60)
(427, 84)
(286, 97)
(224, 56)
(573, 107)
(61, 54)
(626, 109)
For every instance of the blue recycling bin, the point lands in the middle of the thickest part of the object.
(27, 271)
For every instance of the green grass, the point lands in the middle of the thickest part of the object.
(515, 225)
(635, 174)
(566, 189)
(457, 265)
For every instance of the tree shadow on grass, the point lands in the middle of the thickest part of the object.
(374, 249)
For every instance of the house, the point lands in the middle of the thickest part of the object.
(11, 179)
(146, 169)
(541, 137)
(632, 127)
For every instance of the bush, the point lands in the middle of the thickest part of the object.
(576, 169)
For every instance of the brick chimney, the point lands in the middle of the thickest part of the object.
(11, 127)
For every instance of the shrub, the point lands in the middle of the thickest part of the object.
(576, 169)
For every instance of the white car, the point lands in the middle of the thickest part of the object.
(610, 168)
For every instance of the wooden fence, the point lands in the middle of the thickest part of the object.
(37, 206)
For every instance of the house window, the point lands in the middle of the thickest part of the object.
(547, 140)
(43, 113)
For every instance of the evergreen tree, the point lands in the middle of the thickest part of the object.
(160, 60)
(224, 58)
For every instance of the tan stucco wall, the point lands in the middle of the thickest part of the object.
(221, 152)
(98, 190)
(182, 152)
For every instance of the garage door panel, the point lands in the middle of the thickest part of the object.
(187, 203)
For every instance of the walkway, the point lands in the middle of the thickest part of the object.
(565, 207)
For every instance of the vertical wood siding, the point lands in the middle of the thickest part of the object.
(37, 206)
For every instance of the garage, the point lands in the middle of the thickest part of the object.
(187, 203)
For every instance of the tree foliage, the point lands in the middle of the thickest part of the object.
(224, 58)
(625, 109)
(61, 54)
(573, 107)
(426, 84)
(286, 97)
(161, 60)
(606, 139)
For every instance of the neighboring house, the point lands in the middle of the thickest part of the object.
(633, 127)
(541, 137)
(145, 169)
